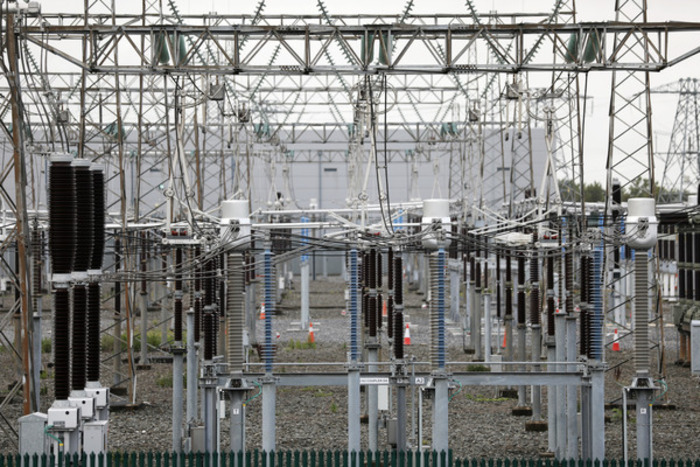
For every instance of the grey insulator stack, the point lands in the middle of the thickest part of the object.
(509, 288)
(235, 306)
(438, 292)
(550, 294)
(398, 307)
(83, 259)
(94, 293)
(178, 296)
(641, 312)
(521, 289)
(198, 272)
(535, 283)
(84, 215)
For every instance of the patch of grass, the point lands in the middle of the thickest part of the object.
(334, 407)
(474, 398)
(616, 415)
(46, 345)
(165, 381)
(300, 345)
(153, 339)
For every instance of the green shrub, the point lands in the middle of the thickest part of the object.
(46, 345)
(165, 381)
(300, 345)
(153, 339)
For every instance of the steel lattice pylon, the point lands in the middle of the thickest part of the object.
(681, 164)
(630, 166)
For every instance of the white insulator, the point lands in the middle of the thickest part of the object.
(235, 209)
(642, 225)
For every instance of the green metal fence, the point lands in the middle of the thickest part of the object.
(307, 459)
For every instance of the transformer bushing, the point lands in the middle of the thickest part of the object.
(435, 224)
(642, 234)
(237, 387)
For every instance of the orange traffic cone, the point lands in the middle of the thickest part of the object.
(407, 336)
(384, 308)
(616, 343)
(312, 339)
(262, 311)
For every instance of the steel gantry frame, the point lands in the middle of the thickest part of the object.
(117, 100)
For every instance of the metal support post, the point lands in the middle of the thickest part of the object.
(440, 415)
(143, 303)
(474, 308)
(191, 370)
(508, 326)
(487, 326)
(560, 339)
(117, 326)
(597, 413)
(269, 405)
(536, 390)
(468, 307)
(477, 332)
(400, 416)
(354, 410)
(373, 398)
(178, 357)
(237, 430)
(208, 385)
(586, 435)
(143, 296)
(522, 390)
(571, 391)
(163, 286)
(36, 364)
(551, 398)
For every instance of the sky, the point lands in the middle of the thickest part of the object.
(597, 121)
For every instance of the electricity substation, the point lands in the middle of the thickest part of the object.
(263, 238)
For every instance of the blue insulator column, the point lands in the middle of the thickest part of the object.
(595, 351)
(596, 291)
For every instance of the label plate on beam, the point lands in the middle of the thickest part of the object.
(370, 380)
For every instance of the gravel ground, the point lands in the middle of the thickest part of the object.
(481, 422)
